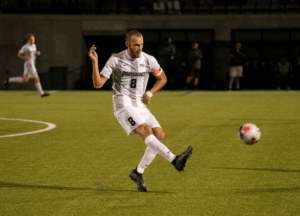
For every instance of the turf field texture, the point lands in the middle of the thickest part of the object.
(81, 167)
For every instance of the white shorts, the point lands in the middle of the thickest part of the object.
(30, 70)
(131, 118)
(236, 71)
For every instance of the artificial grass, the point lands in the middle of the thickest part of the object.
(82, 166)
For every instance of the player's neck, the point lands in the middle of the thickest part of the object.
(237, 50)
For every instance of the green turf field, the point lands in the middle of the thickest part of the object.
(81, 167)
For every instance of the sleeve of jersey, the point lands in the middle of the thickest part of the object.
(154, 65)
(157, 72)
(23, 49)
(108, 68)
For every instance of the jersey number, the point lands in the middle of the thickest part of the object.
(133, 83)
(131, 121)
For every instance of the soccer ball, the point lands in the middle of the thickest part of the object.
(249, 134)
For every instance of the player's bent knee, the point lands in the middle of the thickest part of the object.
(24, 80)
(159, 133)
(143, 130)
(36, 80)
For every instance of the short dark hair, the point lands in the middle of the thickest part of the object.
(131, 33)
(28, 35)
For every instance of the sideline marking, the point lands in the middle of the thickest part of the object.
(50, 127)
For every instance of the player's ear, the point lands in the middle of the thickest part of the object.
(127, 43)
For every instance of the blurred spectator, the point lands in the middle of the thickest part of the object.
(166, 53)
(236, 64)
(73, 7)
(41, 7)
(195, 56)
(174, 7)
(284, 74)
(159, 7)
(57, 7)
(25, 6)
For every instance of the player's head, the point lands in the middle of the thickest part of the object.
(134, 43)
(30, 38)
(195, 45)
(238, 45)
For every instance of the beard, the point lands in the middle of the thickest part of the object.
(134, 54)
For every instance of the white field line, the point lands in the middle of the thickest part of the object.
(50, 127)
(53, 91)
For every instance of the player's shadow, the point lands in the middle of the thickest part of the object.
(53, 187)
(257, 169)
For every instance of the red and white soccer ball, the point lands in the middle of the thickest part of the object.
(249, 134)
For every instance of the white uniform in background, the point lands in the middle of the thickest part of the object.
(29, 67)
(130, 77)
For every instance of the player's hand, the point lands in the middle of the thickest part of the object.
(38, 53)
(27, 58)
(92, 54)
(146, 99)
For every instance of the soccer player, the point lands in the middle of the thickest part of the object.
(28, 53)
(237, 59)
(130, 73)
(195, 56)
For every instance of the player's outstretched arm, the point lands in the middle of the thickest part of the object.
(161, 81)
(98, 79)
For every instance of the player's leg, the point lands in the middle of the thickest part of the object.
(239, 74)
(196, 80)
(189, 80)
(237, 83)
(151, 141)
(150, 153)
(232, 73)
(23, 79)
(38, 86)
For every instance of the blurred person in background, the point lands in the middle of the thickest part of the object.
(284, 74)
(28, 53)
(167, 53)
(159, 7)
(195, 56)
(237, 59)
(174, 7)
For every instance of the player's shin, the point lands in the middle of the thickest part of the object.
(152, 142)
(39, 88)
(146, 160)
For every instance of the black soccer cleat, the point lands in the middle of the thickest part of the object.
(138, 178)
(179, 161)
(45, 95)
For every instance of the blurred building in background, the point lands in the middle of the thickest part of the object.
(65, 29)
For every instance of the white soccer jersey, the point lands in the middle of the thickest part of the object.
(130, 77)
(29, 51)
